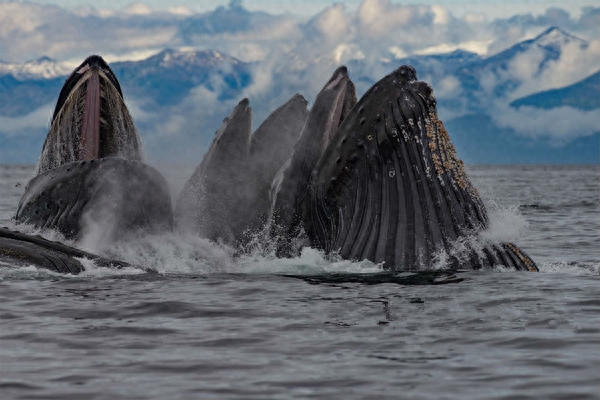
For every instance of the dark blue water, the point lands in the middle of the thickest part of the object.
(210, 326)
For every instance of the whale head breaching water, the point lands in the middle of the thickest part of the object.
(288, 191)
(90, 179)
(377, 180)
(390, 187)
(227, 196)
(90, 120)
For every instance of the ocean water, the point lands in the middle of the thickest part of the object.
(207, 325)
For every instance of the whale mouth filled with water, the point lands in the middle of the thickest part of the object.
(90, 181)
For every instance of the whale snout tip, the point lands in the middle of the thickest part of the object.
(424, 89)
(342, 70)
(339, 76)
(405, 73)
(94, 62)
(299, 98)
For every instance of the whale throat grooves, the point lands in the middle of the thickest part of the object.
(390, 187)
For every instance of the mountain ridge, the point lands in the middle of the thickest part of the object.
(162, 86)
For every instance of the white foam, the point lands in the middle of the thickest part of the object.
(570, 268)
(310, 261)
(506, 224)
(189, 254)
(48, 234)
(174, 253)
(93, 271)
(178, 253)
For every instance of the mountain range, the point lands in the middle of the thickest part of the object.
(509, 107)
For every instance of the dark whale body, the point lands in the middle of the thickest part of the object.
(288, 192)
(228, 194)
(90, 176)
(19, 249)
(377, 180)
(111, 193)
(390, 187)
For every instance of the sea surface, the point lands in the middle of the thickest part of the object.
(208, 325)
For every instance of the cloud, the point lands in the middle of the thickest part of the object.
(180, 10)
(296, 54)
(557, 124)
(377, 18)
(32, 122)
(26, 18)
(138, 9)
(345, 52)
(576, 62)
(474, 46)
(333, 23)
(448, 87)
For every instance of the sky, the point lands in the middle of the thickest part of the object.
(490, 8)
(308, 39)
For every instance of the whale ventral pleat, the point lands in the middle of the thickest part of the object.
(390, 187)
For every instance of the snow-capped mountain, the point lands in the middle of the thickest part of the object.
(529, 67)
(583, 95)
(170, 75)
(180, 97)
(40, 69)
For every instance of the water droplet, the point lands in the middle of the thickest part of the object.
(370, 137)
(392, 173)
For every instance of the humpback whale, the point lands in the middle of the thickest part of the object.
(377, 179)
(19, 249)
(390, 187)
(228, 194)
(91, 177)
(288, 193)
(90, 171)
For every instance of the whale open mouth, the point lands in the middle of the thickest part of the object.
(90, 120)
